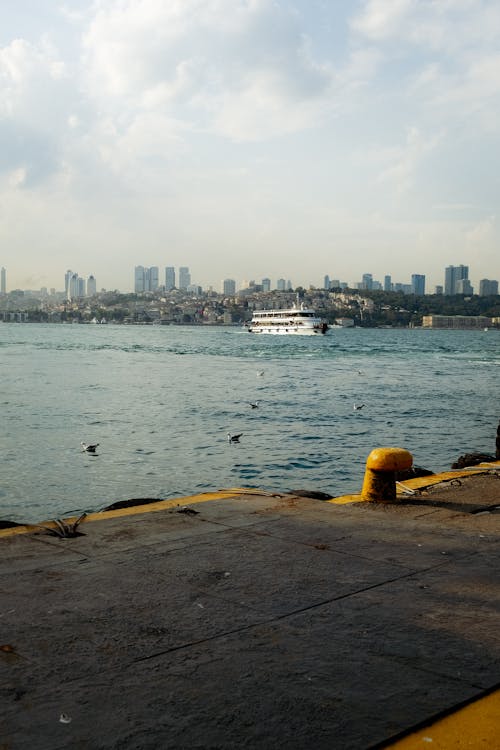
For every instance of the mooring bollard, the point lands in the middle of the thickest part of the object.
(379, 484)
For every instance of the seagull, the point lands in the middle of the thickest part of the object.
(357, 407)
(253, 404)
(234, 438)
(91, 448)
(260, 373)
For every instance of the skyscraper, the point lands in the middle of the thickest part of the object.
(169, 278)
(266, 285)
(387, 284)
(452, 275)
(488, 287)
(153, 279)
(3, 281)
(418, 284)
(139, 280)
(67, 278)
(145, 279)
(367, 281)
(76, 287)
(184, 277)
(91, 286)
(229, 287)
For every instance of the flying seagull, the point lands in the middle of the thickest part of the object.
(357, 407)
(260, 373)
(89, 448)
(234, 438)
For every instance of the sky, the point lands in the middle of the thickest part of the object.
(248, 139)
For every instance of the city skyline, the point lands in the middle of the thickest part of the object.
(249, 138)
(154, 278)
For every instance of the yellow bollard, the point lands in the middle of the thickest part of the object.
(379, 484)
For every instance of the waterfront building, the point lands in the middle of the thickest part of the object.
(488, 287)
(169, 278)
(229, 287)
(418, 284)
(184, 278)
(3, 281)
(91, 286)
(452, 275)
(462, 322)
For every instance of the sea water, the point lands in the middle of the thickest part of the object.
(160, 401)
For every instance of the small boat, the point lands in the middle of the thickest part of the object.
(297, 320)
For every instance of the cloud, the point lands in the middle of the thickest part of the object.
(405, 161)
(33, 86)
(238, 69)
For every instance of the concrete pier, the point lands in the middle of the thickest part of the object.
(248, 619)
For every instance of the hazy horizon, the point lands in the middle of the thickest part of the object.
(249, 138)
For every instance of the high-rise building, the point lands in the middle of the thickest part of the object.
(326, 282)
(229, 287)
(266, 285)
(463, 286)
(452, 275)
(418, 284)
(91, 286)
(139, 279)
(387, 284)
(3, 281)
(281, 285)
(67, 278)
(76, 287)
(169, 278)
(184, 277)
(145, 279)
(153, 279)
(367, 281)
(488, 287)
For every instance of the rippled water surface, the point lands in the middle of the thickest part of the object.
(160, 401)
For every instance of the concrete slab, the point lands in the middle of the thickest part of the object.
(258, 621)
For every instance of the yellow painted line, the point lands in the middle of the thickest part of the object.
(136, 510)
(420, 483)
(475, 726)
(345, 499)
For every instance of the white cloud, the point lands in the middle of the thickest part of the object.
(402, 163)
(238, 69)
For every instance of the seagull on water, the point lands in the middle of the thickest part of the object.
(234, 438)
(89, 447)
(253, 404)
(357, 407)
(260, 373)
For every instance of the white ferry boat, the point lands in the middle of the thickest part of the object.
(294, 321)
